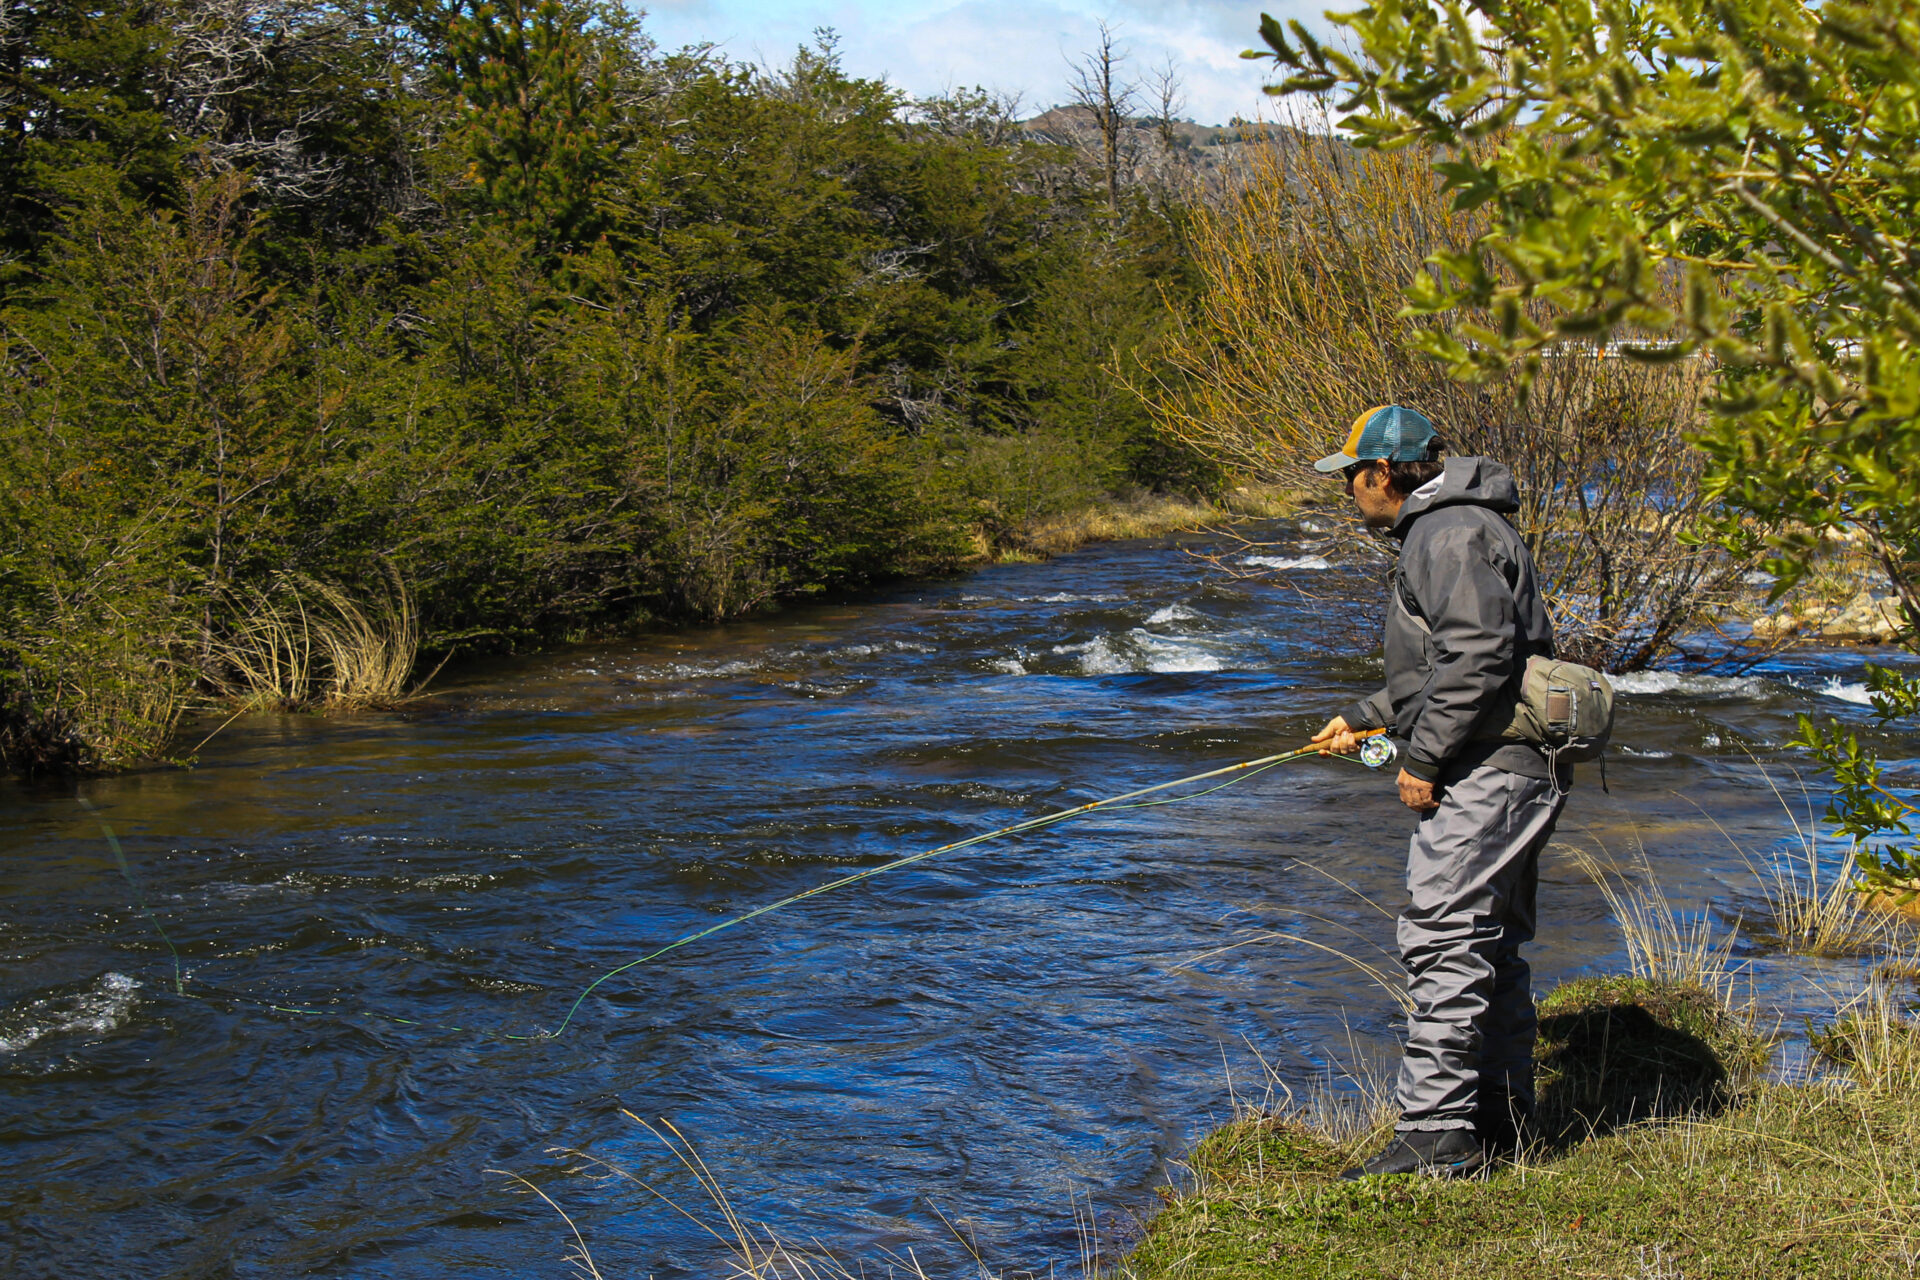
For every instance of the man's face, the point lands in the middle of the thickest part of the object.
(1367, 486)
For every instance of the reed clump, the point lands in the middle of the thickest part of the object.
(1810, 911)
(1664, 944)
(1808, 906)
(1875, 1037)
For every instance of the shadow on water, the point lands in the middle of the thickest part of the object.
(991, 1036)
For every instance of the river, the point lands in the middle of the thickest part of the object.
(1011, 1039)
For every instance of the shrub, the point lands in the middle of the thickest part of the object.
(1299, 326)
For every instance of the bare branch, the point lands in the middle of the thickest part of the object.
(1169, 98)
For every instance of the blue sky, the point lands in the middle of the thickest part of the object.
(928, 46)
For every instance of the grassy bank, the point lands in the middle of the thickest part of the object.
(1136, 515)
(1662, 1155)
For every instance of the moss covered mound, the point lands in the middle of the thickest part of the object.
(1614, 1050)
(1266, 1149)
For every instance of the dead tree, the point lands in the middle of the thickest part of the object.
(1099, 91)
(1169, 99)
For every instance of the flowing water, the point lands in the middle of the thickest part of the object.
(1007, 1039)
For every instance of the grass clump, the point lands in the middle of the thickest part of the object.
(1875, 1037)
(1615, 1050)
(310, 644)
(1806, 909)
(1672, 1160)
(1802, 916)
(1664, 944)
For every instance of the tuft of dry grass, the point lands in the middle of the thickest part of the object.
(1349, 1104)
(1663, 944)
(306, 643)
(263, 661)
(1806, 910)
(1804, 917)
(1876, 1038)
(371, 648)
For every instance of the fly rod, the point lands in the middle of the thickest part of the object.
(1375, 750)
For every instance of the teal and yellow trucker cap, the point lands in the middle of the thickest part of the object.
(1386, 431)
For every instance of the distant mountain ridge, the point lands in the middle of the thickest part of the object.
(1068, 122)
(1161, 153)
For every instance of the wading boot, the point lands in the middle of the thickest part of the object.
(1438, 1153)
(1504, 1123)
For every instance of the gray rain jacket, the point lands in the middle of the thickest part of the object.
(1451, 684)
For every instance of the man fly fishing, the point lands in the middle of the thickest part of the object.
(1465, 616)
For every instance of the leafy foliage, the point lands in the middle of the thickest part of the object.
(1730, 181)
(539, 92)
(491, 324)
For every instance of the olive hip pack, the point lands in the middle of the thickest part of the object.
(1562, 708)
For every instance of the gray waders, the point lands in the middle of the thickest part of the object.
(1472, 870)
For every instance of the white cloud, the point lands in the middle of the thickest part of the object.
(928, 46)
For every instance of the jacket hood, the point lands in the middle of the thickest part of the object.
(1476, 482)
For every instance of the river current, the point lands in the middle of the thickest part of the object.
(1005, 1044)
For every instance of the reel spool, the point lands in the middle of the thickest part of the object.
(1378, 750)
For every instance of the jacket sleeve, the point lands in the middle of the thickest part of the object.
(1474, 625)
(1375, 711)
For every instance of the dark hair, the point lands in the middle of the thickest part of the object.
(1405, 477)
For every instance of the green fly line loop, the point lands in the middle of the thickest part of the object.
(1372, 757)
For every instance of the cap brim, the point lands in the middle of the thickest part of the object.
(1335, 462)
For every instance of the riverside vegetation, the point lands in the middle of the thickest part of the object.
(435, 326)
(471, 326)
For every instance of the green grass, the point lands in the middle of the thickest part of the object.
(1720, 1177)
